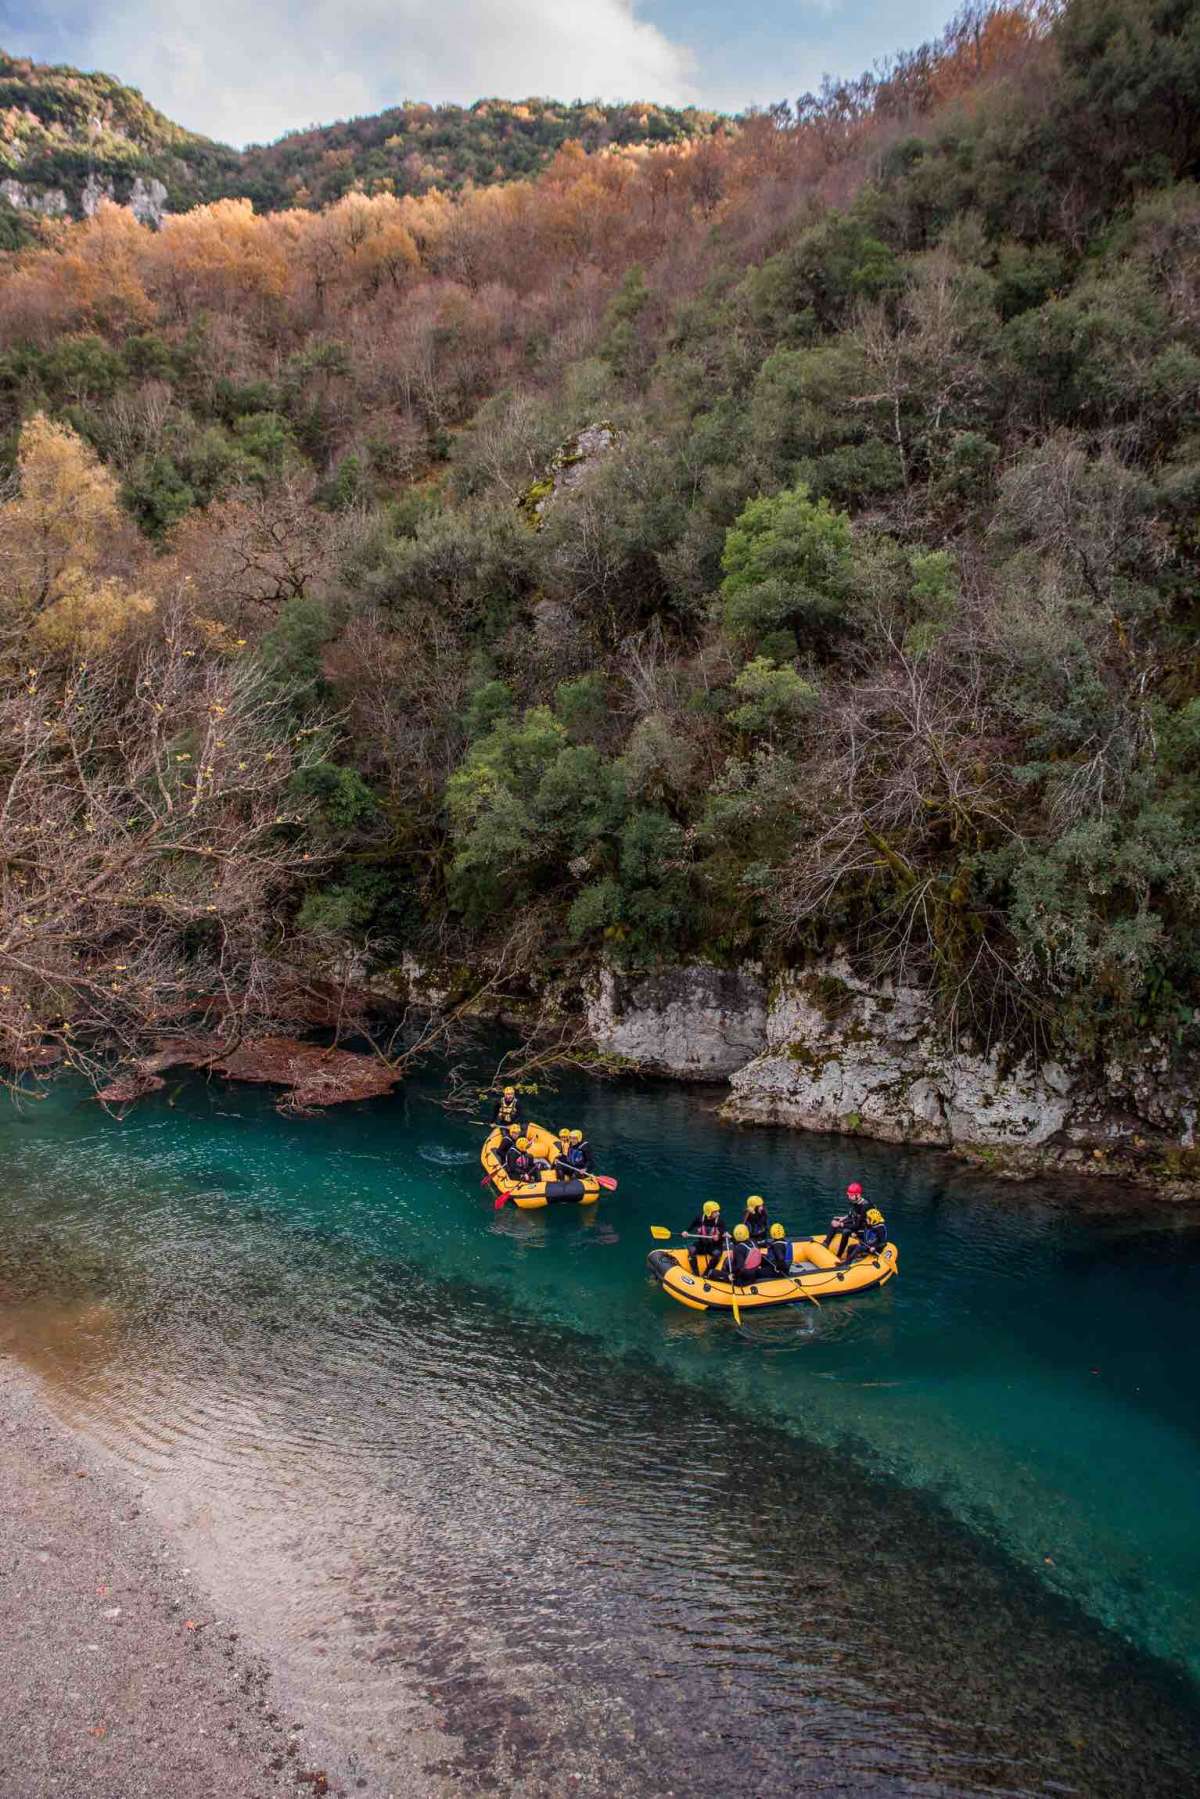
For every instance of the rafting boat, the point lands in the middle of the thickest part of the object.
(815, 1273)
(550, 1189)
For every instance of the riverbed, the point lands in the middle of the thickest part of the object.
(493, 1507)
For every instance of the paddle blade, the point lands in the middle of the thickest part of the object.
(607, 1181)
(660, 1232)
(501, 1202)
(737, 1316)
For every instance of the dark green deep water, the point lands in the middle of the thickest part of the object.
(484, 1490)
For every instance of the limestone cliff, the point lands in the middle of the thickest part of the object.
(696, 1022)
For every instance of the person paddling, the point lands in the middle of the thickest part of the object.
(506, 1149)
(778, 1253)
(746, 1257)
(524, 1165)
(708, 1232)
(872, 1237)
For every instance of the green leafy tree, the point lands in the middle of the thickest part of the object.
(787, 564)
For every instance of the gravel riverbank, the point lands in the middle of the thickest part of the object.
(116, 1680)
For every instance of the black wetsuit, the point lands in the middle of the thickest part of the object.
(778, 1256)
(872, 1238)
(759, 1226)
(847, 1227)
(713, 1231)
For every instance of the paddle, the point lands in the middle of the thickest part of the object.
(737, 1316)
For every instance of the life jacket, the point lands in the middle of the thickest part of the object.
(747, 1259)
(523, 1166)
(508, 1111)
(711, 1228)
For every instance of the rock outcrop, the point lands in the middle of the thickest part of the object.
(569, 465)
(146, 198)
(50, 201)
(842, 1054)
(695, 1022)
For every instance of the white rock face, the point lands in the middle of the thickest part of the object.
(695, 1022)
(94, 191)
(841, 1055)
(52, 202)
(147, 201)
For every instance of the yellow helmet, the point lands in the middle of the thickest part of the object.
(754, 1202)
(741, 1233)
(514, 1130)
(874, 1216)
(564, 1136)
(510, 1093)
(522, 1142)
(710, 1208)
(777, 1230)
(576, 1136)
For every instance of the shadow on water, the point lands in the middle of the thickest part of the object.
(556, 1560)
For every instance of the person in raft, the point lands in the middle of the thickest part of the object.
(851, 1224)
(708, 1233)
(508, 1108)
(746, 1257)
(778, 1253)
(756, 1220)
(506, 1149)
(524, 1165)
(580, 1153)
(872, 1237)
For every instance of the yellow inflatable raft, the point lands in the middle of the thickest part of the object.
(549, 1190)
(815, 1271)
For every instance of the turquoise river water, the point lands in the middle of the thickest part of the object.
(493, 1502)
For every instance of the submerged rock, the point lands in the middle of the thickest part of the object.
(311, 1074)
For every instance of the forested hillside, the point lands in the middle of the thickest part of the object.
(60, 129)
(65, 136)
(863, 612)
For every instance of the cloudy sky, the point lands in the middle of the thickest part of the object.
(247, 70)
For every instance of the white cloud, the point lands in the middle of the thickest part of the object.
(247, 70)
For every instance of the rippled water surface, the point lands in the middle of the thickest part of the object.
(513, 1520)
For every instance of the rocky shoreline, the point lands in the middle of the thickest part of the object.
(116, 1680)
(822, 1049)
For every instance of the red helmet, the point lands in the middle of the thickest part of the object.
(854, 1191)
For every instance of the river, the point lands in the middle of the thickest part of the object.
(488, 1499)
